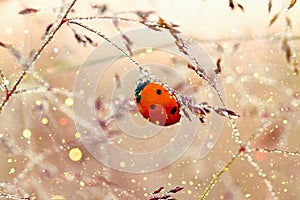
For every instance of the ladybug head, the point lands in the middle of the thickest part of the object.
(138, 90)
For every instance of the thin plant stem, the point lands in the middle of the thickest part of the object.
(111, 42)
(216, 177)
(35, 56)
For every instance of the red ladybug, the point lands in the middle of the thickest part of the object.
(156, 104)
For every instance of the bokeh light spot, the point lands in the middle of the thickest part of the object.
(69, 102)
(75, 154)
(26, 133)
(260, 155)
(63, 121)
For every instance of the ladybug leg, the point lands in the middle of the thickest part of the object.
(202, 120)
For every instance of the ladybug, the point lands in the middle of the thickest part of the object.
(156, 104)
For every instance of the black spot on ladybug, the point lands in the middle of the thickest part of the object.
(153, 106)
(173, 110)
(158, 92)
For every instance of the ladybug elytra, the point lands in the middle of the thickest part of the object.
(156, 104)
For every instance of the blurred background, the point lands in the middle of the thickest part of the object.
(41, 152)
